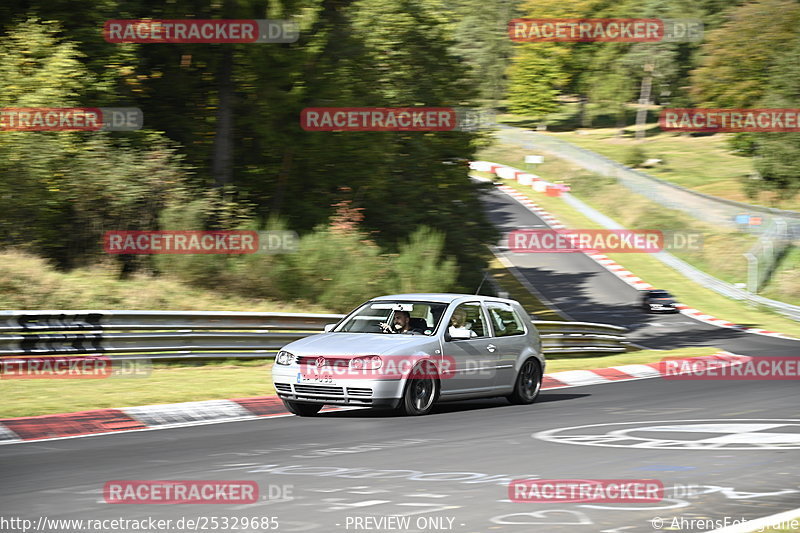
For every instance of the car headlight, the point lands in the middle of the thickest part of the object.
(370, 362)
(284, 358)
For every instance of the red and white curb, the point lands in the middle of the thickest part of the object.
(598, 376)
(175, 415)
(629, 277)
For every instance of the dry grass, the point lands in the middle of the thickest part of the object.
(29, 282)
(702, 163)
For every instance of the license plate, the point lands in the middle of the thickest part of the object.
(325, 379)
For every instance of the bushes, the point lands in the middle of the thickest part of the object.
(30, 282)
(331, 269)
(635, 156)
(420, 268)
(340, 270)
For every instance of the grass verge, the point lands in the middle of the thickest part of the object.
(701, 162)
(631, 358)
(217, 380)
(168, 383)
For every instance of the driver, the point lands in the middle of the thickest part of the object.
(402, 323)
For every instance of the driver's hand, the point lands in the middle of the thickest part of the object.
(386, 327)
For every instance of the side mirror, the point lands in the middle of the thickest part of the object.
(329, 327)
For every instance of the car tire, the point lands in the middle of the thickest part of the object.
(528, 383)
(302, 408)
(421, 391)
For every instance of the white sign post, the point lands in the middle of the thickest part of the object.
(533, 160)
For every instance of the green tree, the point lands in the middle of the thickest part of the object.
(232, 114)
(420, 267)
(536, 79)
(777, 157)
(737, 56)
(60, 191)
(481, 36)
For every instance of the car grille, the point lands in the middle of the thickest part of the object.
(311, 360)
(318, 389)
(325, 393)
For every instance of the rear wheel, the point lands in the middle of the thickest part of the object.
(422, 388)
(529, 381)
(302, 409)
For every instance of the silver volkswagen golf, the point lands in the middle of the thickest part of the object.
(409, 351)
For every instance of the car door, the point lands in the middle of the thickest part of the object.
(509, 338)
(473, 360)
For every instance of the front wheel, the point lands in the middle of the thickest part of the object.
(421, 390)
(302, 409)
(529, 382)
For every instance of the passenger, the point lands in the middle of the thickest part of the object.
(458, 322)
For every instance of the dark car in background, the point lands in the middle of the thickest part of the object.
(658, 301)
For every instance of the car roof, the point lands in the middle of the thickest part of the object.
(440, 297)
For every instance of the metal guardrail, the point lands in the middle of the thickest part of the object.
(565, 338)
(176, 335)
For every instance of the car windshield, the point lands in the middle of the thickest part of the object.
(380, 317)
(660, 294)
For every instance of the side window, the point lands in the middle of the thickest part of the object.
(469, 316)
(504, 319)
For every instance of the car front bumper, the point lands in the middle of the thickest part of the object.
(368, 392)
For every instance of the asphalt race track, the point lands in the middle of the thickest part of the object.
(721, 448)
(455, 463)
